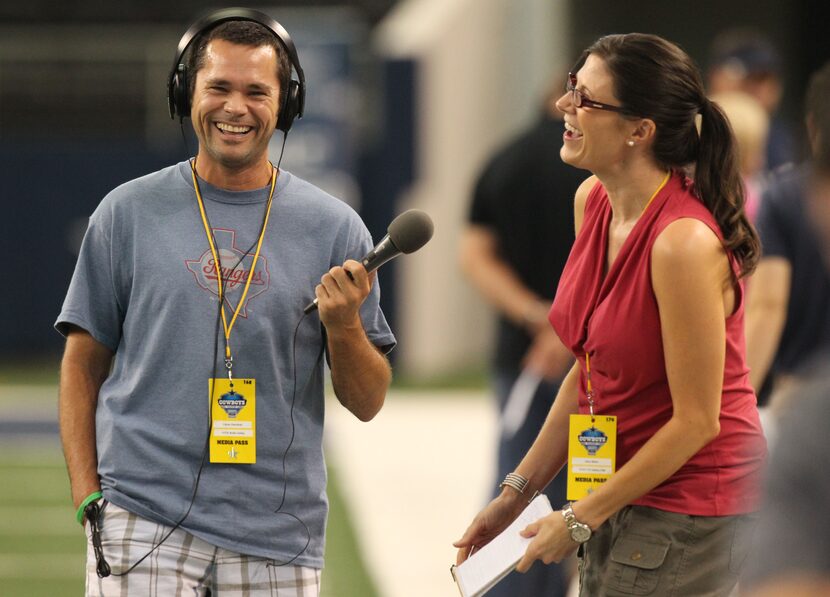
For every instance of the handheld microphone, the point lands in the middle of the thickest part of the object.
(406, 234)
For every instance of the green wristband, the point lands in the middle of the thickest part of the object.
(79, 515)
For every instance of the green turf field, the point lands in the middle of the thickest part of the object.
(42, 547)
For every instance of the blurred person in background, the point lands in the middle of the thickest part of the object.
(788, 308)
(750, 125)
(745, 60)
(791, 557)
(513, 250)
(651, 304)
(792, 554)
(148, 341)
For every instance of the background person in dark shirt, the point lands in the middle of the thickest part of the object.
(788, 306)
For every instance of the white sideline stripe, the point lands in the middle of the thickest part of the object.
(31, 450)
(433, 454)
(31, 401)
(41, 566)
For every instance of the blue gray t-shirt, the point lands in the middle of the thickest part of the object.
(145, 286)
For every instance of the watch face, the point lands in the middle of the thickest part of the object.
(580, 533)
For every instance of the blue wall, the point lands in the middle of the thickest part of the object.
(46, 190)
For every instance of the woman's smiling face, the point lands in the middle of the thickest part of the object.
(594, 139)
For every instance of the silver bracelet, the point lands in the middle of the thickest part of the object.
(516, 481)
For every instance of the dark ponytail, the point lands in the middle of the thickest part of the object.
(654, 78)
(719, 185)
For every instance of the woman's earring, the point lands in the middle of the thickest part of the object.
(630, 143)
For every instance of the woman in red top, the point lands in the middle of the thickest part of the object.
(651, 304)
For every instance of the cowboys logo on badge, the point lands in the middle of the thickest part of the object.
(592, 440)
(232, 403)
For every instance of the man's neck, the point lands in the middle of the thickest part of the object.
(245, 178)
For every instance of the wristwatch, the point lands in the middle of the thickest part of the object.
(580, 532)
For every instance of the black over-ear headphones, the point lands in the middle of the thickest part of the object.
(178, 94)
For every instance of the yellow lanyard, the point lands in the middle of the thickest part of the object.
(589, 394)
(660, 188)
(588, 387)
(218, 263)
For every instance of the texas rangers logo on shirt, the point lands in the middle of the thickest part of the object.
(206, 271)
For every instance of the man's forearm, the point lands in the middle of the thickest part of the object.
(764, 326)
(768, 295)
(360, 374)
(83, 370)
(497, 282)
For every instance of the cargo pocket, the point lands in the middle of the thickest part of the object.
(635, 565)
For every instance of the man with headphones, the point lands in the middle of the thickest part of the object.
(191, 395)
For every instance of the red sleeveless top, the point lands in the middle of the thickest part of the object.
(615, 320)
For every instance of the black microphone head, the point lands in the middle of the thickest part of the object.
(411, 230)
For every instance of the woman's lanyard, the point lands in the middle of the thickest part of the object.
(589, 393)
(660, 188)
(592, 438)
(229, 327)
(589, 390)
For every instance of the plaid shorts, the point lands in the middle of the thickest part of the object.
(184, 564)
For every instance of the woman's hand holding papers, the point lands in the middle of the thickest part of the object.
(491, 521)
(551, 541)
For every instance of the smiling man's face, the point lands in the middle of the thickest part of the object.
(235, 105)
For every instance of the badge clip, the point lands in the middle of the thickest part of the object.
(229, 367)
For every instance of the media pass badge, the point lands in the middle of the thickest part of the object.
(592, 453)
(233, 410)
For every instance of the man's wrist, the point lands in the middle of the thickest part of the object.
(345, 331)
(79, 513)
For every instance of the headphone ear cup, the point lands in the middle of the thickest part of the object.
(290, 107)
(180, 100)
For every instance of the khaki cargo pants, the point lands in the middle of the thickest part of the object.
(644, 551)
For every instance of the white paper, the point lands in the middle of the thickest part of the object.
(480, 572)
